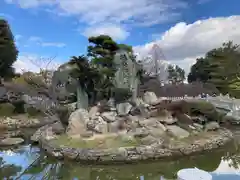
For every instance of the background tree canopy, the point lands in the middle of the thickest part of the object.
(220, 67)
(8, 50)
(176, 74)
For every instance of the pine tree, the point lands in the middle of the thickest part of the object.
(8, 50)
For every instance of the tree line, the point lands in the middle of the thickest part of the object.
(95, 70)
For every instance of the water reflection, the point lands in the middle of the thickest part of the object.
(29, 163)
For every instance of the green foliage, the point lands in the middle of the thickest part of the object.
(63, 114)
(31, 111)
(101, 52)
(8, 50)
(201, 108)
(95, 73)
(19, 107)
(121, 94)
(6, 109)
(220, 67)
(176, 74)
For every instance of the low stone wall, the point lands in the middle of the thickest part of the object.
(133, 154)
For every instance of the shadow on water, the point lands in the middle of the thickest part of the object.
(28, 162)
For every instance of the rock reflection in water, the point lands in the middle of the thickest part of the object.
(29, 163)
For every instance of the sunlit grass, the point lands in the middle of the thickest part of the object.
(98, 143)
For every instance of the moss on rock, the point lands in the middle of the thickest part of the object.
(6, 109)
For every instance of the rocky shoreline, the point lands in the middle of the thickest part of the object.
(134, 154)
(19, 122)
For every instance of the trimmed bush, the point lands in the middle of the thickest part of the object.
(63, 113)
(121, 94)
(31, 111)
(19, 107)
(6, 109)
(195, 108)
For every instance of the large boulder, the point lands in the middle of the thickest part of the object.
(177, 131)
(94, 111)
(56, 128)
(77, 122)
(109, 116)
(150, 98)
(212, 126)
(184, 118)
(167, 118)
(97, 124)
(123, 108)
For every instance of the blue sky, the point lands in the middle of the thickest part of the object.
(184, 29)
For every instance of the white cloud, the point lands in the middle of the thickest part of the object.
(30, 3)
(203, 1)
(116, 32)
(183, 43)
(97, 12)
(33, 63)
(41, 42)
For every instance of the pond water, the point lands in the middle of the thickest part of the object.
(28, 162)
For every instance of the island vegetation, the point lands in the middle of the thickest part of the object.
(93, 102)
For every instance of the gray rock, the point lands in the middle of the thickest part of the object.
(199, 127)
(138, 102)
(56, 128)
(72, 106)
(11, 141)
(135, 111)
(151, 122)
(93, 112)
(148, 140)
(199, 119)
(153, 112)
(48, 133)
(177, 131)
(132, 122)
(91, 124)
(123, 108)
(150, 98)
(139, 132)
(184, 118)
(113, 127)
(132, 118)
(212, 126)
(167, 120)
(37, 135)
(101, 127)
(156, 132)
(77, 122)
(109, 116)
(144, 111)
(119, 125)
